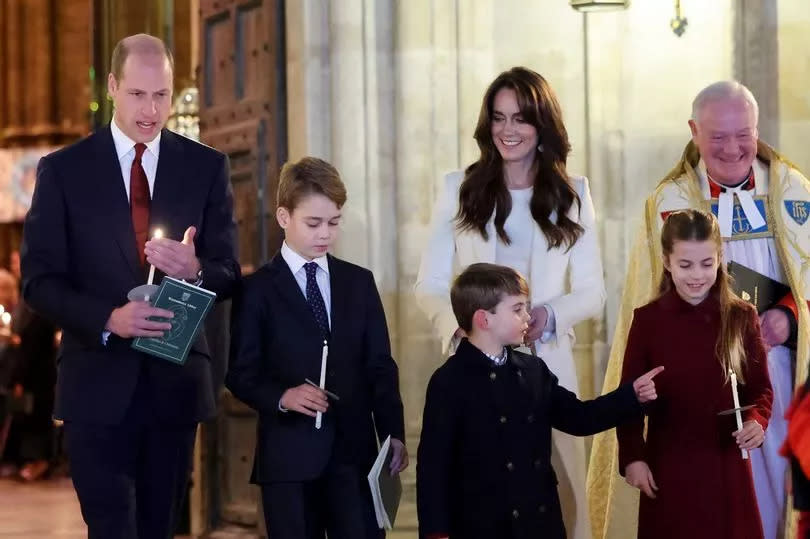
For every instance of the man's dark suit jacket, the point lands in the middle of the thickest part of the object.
(276, 345)
(79, 260)
(484, 459)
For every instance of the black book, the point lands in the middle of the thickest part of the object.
(759, 290)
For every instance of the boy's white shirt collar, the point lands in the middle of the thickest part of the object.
(124, 144)
(296, 261)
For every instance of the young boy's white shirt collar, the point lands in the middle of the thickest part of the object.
(296, 261)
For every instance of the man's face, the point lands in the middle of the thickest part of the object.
(143, 95)
(726, 136)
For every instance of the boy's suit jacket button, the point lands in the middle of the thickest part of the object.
(542, 508)
(492, 376)
(515, 513)
(503, 419)
(510, 466)
(530, 419)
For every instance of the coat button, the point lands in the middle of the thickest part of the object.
(530, 419)
(503, 419)
(510, 466)
(538, 464)
(515, 513)
(492, 376)
(542, 508)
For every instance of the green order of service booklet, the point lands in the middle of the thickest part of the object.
(189, 304)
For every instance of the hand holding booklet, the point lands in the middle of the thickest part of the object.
(189, 304)
(386, 489)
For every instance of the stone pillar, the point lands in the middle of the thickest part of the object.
(756, 60)
(794, 82)
(43, 72)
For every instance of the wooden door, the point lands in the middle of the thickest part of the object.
(242, 113)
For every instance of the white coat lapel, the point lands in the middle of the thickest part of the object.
(543, 261)
(486, 249)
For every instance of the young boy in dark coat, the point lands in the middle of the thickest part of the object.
(484, 458)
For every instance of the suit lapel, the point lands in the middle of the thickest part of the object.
(111, 190)
(340, 291)
(542, 258)
(289, 291)
(169, 187)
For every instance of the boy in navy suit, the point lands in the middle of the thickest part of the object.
(313, 480)
(484, 460)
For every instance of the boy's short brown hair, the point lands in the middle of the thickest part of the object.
(308, 176)
(483, 286)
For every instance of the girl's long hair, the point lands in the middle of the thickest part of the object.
(484, 189)
(695, 225)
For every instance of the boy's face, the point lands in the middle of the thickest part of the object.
(312, 227)
(510, 320)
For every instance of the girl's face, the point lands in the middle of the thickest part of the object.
(693, 266)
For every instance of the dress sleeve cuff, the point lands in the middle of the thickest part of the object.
(551, 324)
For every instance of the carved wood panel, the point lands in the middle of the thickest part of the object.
(242, 104)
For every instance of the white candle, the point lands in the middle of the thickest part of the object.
(158, 234)
(736, 398)
(322, 384)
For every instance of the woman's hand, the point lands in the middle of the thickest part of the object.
(638, 474)
(537, 323)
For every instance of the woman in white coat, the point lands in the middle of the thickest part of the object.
(517, 206)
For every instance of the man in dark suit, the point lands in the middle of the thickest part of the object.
(130, 418)
(314, 479)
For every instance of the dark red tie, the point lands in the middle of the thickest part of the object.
(139, 201)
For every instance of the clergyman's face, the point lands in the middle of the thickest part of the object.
(725, 133)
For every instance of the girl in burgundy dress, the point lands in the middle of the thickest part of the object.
(693, 479)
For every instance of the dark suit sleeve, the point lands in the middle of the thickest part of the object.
(246, 377)
(216, 243)
(434, 458)
(46, 263)
(381, 369)
(571, 415)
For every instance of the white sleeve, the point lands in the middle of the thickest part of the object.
(587, 282)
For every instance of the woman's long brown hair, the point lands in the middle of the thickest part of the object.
(695, 225)
(484, 189)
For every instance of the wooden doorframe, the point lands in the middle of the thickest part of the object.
(243, 113)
